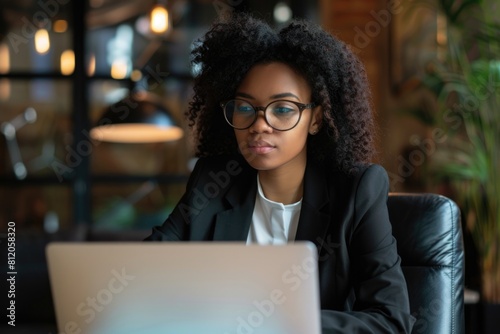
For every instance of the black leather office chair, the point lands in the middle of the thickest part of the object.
(429, 235)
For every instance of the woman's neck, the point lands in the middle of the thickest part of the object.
(283, 185)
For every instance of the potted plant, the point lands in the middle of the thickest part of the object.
(467, 86)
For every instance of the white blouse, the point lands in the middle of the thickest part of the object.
(273, 223)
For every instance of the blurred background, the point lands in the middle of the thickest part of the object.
(69, 69)
(64, 63)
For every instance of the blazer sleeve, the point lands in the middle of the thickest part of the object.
(381, 303)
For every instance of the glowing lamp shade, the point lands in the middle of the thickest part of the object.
(138, 118)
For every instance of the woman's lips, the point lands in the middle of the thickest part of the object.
(260, 147)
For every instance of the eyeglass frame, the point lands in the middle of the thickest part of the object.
(300, 105)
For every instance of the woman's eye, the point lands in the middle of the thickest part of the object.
(244, 109)
(282, 110)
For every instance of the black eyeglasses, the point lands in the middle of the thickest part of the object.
(283, 115)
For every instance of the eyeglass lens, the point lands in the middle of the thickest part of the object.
(280, 115)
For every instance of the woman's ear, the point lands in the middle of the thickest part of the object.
(316, 120)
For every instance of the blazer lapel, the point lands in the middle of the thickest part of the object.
(233, 224)
(314, 217)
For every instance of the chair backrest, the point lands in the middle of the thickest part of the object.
(428, 231)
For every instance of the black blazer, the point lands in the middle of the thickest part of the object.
(362, 288)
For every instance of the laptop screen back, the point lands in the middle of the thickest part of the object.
(223, 288)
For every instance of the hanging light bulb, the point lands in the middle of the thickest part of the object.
(60, 26)
(159, 19)
(67, 62)
(4, 68)
(42, 41)
(119, 69)
(282, 12)
(91, 66)
(5, 56)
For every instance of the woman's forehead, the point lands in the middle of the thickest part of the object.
(271, 80)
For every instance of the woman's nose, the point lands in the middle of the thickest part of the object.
(260, 124)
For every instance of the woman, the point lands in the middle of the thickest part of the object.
(284, 134)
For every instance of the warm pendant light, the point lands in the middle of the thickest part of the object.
(5, 56)
(67, 62)
(138, 118)
(159, 20)
(42, 41)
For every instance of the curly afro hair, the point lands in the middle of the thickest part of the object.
(336, 76)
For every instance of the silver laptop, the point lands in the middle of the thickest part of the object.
(185, 288)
